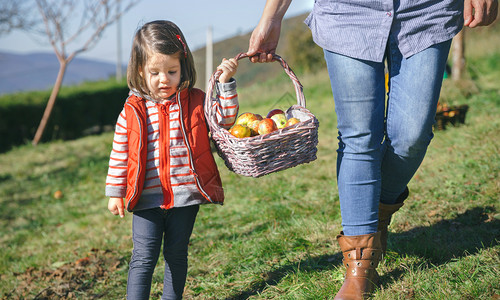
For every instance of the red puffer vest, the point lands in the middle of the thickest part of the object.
(195, 133)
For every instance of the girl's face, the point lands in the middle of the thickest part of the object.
(162, 74)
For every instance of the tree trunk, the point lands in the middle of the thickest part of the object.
(458, 58)
(50, 103)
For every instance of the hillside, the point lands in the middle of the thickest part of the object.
(38, 71)
(247, 73)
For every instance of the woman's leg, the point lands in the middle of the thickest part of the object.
(178, 228)
(147, 235)
(415, 84)
(359, 93)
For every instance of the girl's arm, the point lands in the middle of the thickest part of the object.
(116, 181)
(227, 104)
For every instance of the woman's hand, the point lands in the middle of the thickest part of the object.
(265, 36)
(480, 12)
(116, 207)
(228, 68)
(264, 41)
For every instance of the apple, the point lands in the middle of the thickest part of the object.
(292, 121)
(254, 127)
(266, 126)
(274, 112)
(58, 194)
(246, 118)
(240, 131)
(280, 120)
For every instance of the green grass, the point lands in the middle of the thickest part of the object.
(275, 236)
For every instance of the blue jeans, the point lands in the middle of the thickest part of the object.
(382, 144)
(149, 228)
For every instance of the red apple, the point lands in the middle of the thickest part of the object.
(280, 120)
(274, 112)
(292, 121)
(240, 131)
(246, 118)
(254, 127)
(267, 126)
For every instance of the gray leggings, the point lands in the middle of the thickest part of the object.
(149, 228)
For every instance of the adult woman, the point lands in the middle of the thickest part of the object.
(381, 144)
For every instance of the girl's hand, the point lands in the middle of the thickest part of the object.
(116, 207)
(228, 68)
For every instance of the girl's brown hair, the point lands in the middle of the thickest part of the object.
(159, 37)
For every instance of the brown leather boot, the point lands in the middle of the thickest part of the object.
(362, 253)
(385, 212)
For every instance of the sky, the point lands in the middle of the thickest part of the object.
(226, 17)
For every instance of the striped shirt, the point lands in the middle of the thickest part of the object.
(182, 181)
(361, 28)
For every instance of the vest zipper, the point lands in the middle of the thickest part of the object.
(190, 153)
(164, 146)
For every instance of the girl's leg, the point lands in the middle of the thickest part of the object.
(147, 234)
(359, 93)
(415, 84)
(178, 228)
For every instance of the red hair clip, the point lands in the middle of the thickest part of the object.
(183, 45)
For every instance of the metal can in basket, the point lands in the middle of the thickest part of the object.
(264, 154)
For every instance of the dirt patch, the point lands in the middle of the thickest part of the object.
(68, 281)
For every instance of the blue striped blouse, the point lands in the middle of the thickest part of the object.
(361, 28)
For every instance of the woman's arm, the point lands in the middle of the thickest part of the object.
(265, 36)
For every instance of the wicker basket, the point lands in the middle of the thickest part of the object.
(264, 154)
(454, 115)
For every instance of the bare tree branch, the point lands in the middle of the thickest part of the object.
(15, 14)
(47, 15)
(59, 20)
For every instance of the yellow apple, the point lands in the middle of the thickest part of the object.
(280, 120)
(292, 121)
(240, 131)
(254, 127)
(246, 118)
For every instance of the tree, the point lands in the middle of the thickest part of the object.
(59, 18)
(458, 57)
(15, 14)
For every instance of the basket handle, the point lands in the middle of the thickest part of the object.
(215, 76)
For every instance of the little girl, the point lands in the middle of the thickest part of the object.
(161, 161)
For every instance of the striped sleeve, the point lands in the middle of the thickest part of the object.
(116, 181)
(227, 104)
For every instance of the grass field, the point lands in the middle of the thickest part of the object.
(275, 236)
